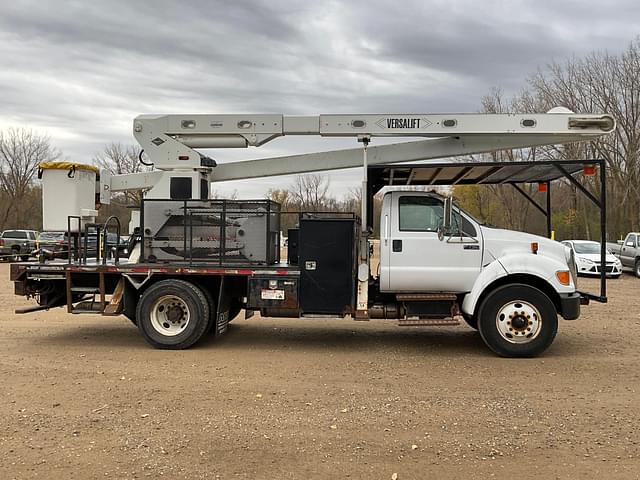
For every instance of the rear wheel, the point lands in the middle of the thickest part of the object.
(636, 268)
(173, 314)
(517, 321)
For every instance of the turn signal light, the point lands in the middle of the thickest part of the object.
(534, 248)
(564, 277)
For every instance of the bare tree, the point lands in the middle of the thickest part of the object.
(21, 151)
(602, 82)
(309, 192)
(121, 159)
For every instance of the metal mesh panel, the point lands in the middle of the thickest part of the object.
(212, 231)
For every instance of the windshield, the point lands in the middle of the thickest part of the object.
(591, 247)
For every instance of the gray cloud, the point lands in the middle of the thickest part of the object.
(80, 71)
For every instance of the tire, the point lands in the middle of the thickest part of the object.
(15, 254)
(173, 314)
(24, 258)
(471, 320)
(536, 326)
(213, 310)
(636, 268)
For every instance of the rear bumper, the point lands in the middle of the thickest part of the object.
(570, 305)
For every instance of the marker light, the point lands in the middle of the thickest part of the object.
(534, 248)
(563, 276)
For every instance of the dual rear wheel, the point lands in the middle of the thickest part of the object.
(175, 314)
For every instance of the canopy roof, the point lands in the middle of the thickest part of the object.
(474, 173)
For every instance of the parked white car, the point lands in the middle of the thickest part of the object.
(587, 254)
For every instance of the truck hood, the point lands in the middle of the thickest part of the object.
(499, 243)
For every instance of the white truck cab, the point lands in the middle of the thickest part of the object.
(511, 285)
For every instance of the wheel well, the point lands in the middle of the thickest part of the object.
(210, 283)
(526, 279)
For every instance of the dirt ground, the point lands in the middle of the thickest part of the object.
(84, 397)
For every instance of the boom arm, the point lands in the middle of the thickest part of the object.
(169, 140)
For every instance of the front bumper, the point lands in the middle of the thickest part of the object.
(570, 305)
(611, 269)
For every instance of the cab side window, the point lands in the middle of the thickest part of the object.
(631, 241)
(420, 214)
(462, 226)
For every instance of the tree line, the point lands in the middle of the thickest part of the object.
(599, 82)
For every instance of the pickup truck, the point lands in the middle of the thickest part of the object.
(17, 244)
(628, 251)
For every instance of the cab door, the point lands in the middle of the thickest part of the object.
(416, 259)
(628, 251)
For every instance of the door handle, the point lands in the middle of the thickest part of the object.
(386, 229)
(396, 245)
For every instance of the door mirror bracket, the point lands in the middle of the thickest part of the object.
(447, 220)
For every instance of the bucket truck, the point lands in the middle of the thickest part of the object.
(198, 262)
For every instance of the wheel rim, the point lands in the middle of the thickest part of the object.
(170, 315)
(518, 322)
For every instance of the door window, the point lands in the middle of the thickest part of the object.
(462, 227)
(631, 241)
(420, 214)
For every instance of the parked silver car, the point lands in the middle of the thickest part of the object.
(588, 261)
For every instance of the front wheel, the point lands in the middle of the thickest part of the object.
(636, 269)
(173, 314)
(517, 321)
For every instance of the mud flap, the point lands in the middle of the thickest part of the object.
(224, 305)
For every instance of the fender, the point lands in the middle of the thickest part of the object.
(536, 265)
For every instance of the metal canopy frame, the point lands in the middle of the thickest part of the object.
(500, 173)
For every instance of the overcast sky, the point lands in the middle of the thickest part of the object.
(81, 71)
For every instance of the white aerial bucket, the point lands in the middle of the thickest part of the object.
(68, 189)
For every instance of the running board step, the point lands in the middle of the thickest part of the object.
(428, 322)
(426, 297)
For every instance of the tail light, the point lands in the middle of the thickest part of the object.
(1, 242)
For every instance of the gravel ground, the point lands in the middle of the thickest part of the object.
(85, 397)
